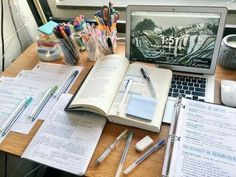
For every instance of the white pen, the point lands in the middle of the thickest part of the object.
(124, 154)
(127, 88)
(66, 83)
(110, 148)
(20, 108)
(154, 148)
(146, 76)
(51, 90)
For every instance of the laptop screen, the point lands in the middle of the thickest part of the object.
(182, 39)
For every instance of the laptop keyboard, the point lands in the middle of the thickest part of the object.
(190, 87)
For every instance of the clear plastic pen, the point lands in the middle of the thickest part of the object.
(154, 148)
(124, 154)
(110, 148)
(127, 88)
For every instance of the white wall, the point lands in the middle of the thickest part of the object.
(61, 11)
(26, 27)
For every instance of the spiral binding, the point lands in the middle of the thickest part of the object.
(174, 138)
(178, 102)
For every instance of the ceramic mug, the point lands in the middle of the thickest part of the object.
(227, 55)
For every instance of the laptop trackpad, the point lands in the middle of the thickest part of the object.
(169, 110)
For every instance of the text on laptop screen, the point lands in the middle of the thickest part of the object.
(173, 38)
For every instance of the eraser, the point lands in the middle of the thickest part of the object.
(143, 143)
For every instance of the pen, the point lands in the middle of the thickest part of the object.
(109, 44)
(20, 108)
(124, 154)
(145, 155)
(146, 76)
(127, 88)
(66, 83)
(51, 90)
(110, 148)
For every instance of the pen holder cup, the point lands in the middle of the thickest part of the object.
(79, 41)
(95, 50)
(70, 51)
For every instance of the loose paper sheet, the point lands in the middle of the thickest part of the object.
(66, 141)
(207, 145)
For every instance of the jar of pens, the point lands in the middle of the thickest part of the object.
(100, 40)
(78, 24)
(78, 35)
(67, 43)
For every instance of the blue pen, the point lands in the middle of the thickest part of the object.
(48, 94)
(67, 30)
(66, 84)
(154, 148)
(20, 108)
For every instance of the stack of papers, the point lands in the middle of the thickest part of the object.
(66, 141)
(33, 83)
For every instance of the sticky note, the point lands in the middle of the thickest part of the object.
(48, 27)
(141, 107)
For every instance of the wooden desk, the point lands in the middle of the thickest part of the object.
(16, 143)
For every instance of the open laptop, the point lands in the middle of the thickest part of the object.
(182, 38)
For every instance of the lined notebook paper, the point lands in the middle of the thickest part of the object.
(66, 141)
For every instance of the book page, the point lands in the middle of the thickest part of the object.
(160, 79)
(101, 85)
(207, 145)
(66, 141)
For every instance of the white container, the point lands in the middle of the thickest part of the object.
(227, 55)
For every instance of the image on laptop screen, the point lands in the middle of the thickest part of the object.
(173, 38)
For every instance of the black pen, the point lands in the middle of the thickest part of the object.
(109, 43)
(146, 76)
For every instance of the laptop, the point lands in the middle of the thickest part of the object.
(185, 39)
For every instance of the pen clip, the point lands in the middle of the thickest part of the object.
(145, 74)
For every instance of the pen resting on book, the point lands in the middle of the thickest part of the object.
(127, 88)
(149, 82)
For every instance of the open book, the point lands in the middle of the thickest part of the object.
(104, 89)
(202, 141)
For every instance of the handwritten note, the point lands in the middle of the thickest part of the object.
(207, 145)
(66, 141)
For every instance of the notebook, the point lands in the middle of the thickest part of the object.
(181, 38)
(201, 140)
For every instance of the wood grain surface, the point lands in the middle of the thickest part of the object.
(15, 143)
